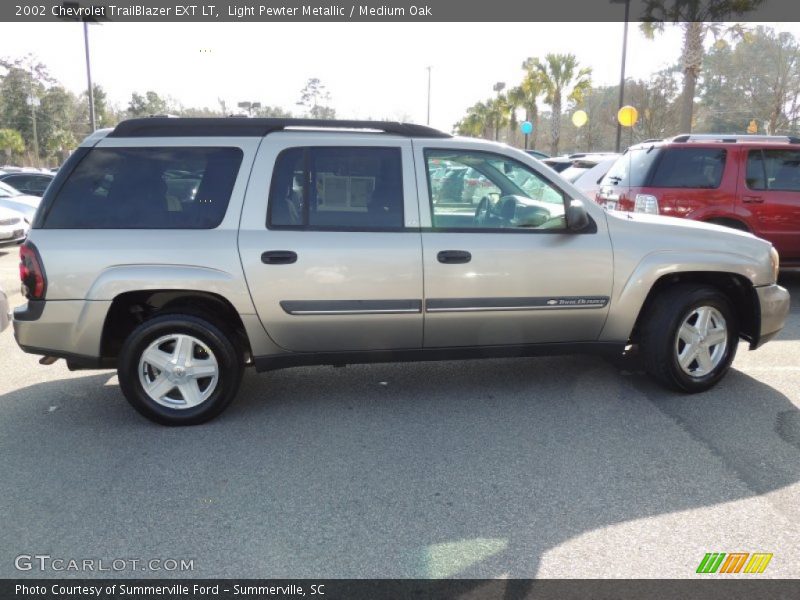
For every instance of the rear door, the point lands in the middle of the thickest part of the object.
(330, 242)
(769, 197)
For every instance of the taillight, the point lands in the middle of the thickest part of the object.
(31, 272)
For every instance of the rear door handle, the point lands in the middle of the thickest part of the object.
(279, 257)
(752, 199)
(454, 257)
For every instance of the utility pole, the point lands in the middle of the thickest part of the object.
(92, 119)
(34, 101)
(622, 73)
(428, 122)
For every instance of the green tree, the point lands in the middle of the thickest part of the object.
(532, 87)
(475, 123)
(315, 99)
(696, 19)
(22, 81)
(562, 79)
(148, 104)
(758, 79)
(56, 120)
(11, 143)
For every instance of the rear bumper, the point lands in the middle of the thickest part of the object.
(774, 305)
(62, 328)
(5, 317)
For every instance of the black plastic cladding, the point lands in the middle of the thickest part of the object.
(211, 126)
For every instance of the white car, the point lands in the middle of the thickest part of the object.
(13, 227)
(5, 317)
(585, 174)
(14, 200)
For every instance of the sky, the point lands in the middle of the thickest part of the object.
(372, 70)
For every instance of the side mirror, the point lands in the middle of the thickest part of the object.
(577, 217)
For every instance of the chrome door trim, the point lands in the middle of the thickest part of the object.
(351, 307)
(436, 305)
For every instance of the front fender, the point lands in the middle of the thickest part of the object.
(629, 297)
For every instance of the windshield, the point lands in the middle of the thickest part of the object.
(6, 191)
(632, 168)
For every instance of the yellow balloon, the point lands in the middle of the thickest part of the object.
(627, 116)
(579, 118)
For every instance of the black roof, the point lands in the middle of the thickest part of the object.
(243, 126)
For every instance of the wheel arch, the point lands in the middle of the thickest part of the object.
(736, 275)
(129, 309)
(737, 288)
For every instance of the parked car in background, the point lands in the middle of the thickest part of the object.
(460, 185)
(537, 154)
(11, 198)
(30, 183)
(586, 173)
(747, 182)
(13, 227)
(5, 317)
(558, 163)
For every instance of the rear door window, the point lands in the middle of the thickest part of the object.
(700, 168)
(773, 170)
(337, 188)
(147, 188)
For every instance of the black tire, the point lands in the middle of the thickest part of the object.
(659, 331)
(218, 341)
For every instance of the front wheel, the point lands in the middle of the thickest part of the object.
(179, 369)
(689, 337)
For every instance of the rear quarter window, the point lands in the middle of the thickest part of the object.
(147, 188)
(699, 168)
(633, 168)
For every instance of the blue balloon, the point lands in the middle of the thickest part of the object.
(526, 127)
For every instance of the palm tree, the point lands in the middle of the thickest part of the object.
(532, 88)
(561, 76)
(515, 98)
(476, 122)
(497, 113)
(697, 19)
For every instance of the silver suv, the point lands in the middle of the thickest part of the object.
(179, 251)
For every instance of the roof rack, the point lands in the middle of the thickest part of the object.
(734, 137)
(161, 126)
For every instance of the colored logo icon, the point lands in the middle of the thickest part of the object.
(734, 562)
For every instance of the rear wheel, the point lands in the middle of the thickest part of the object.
(179, 369)
(689, 337)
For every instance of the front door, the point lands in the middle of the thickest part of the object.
(330, 242)
(501, 268)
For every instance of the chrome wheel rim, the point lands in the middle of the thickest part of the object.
(178, 371)
(701, 341)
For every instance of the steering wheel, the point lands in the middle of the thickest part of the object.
(481, 218)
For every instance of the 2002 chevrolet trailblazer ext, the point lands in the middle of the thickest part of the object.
(178, 251)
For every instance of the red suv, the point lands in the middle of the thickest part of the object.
(743, 181)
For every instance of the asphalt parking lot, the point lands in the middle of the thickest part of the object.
(548, 467)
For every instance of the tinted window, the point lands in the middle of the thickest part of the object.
(147, 188)
(774, 170)
(632, 168)
(337, 188)
(690, 168)
(487, 191)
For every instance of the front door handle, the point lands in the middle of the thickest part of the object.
(454, 257)
(752, 199)
(279, 257)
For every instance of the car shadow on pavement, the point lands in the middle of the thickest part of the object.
(470, 470)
